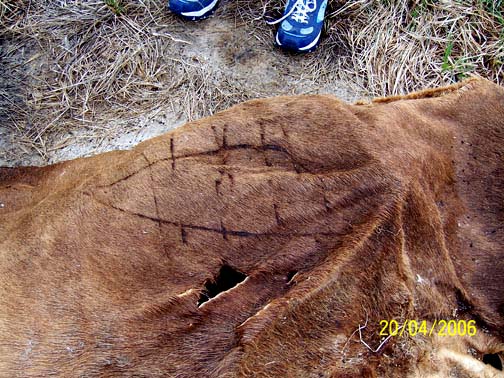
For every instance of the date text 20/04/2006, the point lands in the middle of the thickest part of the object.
(420, 327)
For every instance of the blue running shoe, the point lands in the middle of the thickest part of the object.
(301, 25)
(193, 10)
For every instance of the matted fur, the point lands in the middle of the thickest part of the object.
(336, 213)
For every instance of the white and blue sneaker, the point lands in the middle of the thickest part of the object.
(301, 25)
(193, 10)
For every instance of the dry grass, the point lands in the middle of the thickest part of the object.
(396, 47)
(71, 64)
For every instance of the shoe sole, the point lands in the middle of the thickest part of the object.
(312, 46)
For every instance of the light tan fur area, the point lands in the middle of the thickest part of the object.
(336, 214)
(457, 356)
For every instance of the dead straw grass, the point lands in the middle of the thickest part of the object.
(71, 64)
(399, 47)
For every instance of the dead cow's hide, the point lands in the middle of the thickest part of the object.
(255, 242)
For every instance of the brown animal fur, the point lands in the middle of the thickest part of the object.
(335, 212)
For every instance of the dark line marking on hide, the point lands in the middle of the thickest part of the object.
(298, 167)
(126, 177)
(218, 183)
(183, 234)
(284, 132)
(217, 142)
(265, 156)
(224, 137)
(146, 159)
(323, 187)
(226, 279)
(224, 146)
(224, 232)
(172, 149)
(153, 191)
(327, 204)
(277, 215)
(231, 180)
(156, 206)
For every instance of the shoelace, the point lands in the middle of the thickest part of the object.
(299, 11)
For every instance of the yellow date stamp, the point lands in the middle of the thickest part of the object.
(421, 327)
